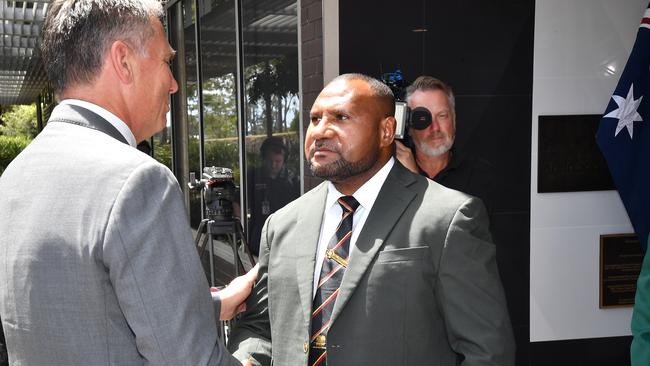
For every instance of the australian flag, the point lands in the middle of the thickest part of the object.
(624, 133)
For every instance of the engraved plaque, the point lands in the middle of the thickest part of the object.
(620, 264)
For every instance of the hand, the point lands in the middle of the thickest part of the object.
(247, 363)
(233, 296)
(405, 156)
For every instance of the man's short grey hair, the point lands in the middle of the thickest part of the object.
(379, 90)
(429, 83)
(78, 33)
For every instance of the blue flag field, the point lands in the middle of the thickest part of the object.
(624, 134)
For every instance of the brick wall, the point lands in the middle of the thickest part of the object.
(311, 28)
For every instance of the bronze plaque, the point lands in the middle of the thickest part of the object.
(620, 264)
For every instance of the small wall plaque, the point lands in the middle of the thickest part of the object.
(620, 264)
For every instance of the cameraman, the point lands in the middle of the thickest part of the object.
(433, 154)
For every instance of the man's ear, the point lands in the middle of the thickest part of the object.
(122, 60)
(387, 130)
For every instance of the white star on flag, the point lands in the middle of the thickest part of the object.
(626, 113)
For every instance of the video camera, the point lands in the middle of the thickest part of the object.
(418, 118)
(220, 192)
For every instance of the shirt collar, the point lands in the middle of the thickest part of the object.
(454, 161)
(367, 193)
(108, 116)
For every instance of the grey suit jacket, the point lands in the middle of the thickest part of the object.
(422, 286)
(97, 264)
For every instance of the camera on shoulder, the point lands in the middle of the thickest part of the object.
(418, 118)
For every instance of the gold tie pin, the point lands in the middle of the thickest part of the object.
(336, 258)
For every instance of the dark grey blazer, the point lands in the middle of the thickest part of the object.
(98, 265)
(422, 286)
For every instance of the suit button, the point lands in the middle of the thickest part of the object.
(305, 347)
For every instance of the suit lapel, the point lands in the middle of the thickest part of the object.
(308, 229)
(391, 202)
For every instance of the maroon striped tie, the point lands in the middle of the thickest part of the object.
(334, 264)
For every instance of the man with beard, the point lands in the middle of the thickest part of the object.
(433, 155)
(377, 265)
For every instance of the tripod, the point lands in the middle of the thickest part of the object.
(209, 229)
(230, 228)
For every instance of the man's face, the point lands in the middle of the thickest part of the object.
(343, 138)
(438, 138)
(274, 163)
(154, 83)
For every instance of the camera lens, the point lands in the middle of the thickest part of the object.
(420, 118)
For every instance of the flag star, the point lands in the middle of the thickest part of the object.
(626, 113)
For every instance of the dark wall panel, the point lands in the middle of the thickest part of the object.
(483, 47)
(376, 37)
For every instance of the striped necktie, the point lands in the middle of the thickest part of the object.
(334, 264)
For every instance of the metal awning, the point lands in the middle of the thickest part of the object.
(269, 31)
(22, 77)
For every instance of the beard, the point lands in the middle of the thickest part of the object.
(433, 151)
(341, 169)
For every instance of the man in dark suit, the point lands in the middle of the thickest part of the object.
(377, 265)
(98, 264)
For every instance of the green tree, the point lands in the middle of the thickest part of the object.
(275, 82)
(18, 120)
(220, 108)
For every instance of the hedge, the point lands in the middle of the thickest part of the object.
(10, 147)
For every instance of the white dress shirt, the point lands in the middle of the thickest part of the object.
(108, 116)
(366, 196)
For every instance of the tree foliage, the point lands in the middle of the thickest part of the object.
(10, 147)
(275, 82)
(220, 107)
(18, 120)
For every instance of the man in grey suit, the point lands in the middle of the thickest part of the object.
(98, 265)
(419, 283)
